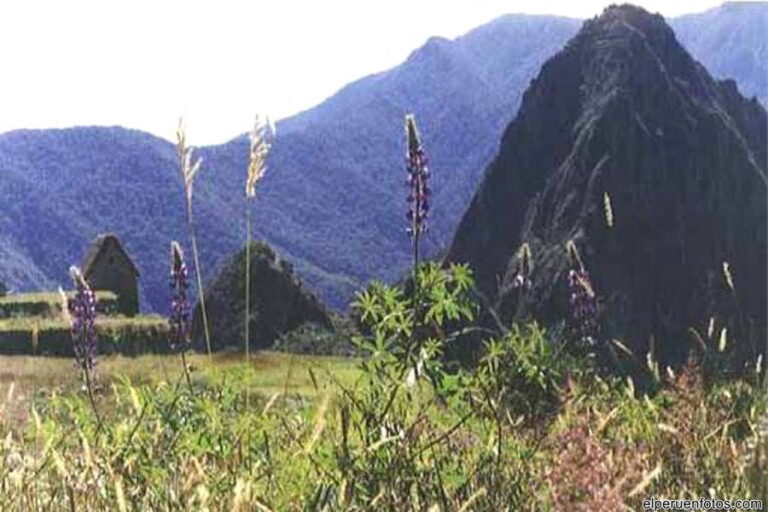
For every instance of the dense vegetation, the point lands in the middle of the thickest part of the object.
(532, 425)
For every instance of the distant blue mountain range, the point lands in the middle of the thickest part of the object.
(333, 201)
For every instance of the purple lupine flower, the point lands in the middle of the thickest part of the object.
(583, 304)
(418, 176)
(82, 313)
(179, 319)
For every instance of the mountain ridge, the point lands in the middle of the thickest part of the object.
(332, 196)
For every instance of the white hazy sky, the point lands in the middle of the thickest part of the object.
(142, 64)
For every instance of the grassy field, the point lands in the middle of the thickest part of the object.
(23, 378)
(267, 436)
(42, 323)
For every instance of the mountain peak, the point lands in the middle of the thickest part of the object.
(628, 20)
(629, 13)
(624, 112)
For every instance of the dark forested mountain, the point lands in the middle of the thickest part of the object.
(624, 112)
(333, 199)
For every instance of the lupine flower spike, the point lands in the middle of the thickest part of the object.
(82, 314)
(180, 319)
(418, 176)
(581, 299)
(180, 331)
(418, 209)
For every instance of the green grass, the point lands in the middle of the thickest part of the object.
(29, 322)
(531, 425)
(22, 378)
(52, 298)
(48, 304)
(266, 437)
(25, 335)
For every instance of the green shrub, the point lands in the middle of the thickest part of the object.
(311, 338)
(524, 370)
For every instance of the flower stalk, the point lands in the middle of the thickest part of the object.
(180, 318)
(418, 210)
(419, 192)
(258, 150)
(582, 300)
(189, 167)
(81, 312)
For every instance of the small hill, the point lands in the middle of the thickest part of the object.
(279, 302)
(625, 111)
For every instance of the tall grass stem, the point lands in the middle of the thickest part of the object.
(199, 277)
(246, 327)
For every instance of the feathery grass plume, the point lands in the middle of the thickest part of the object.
(82, 314)
(711, 327)
(723, 340)
(728, 276)
(260, 144)
(180, 336)
(189, 168)
(608, 210)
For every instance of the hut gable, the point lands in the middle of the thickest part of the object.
(107, 266)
